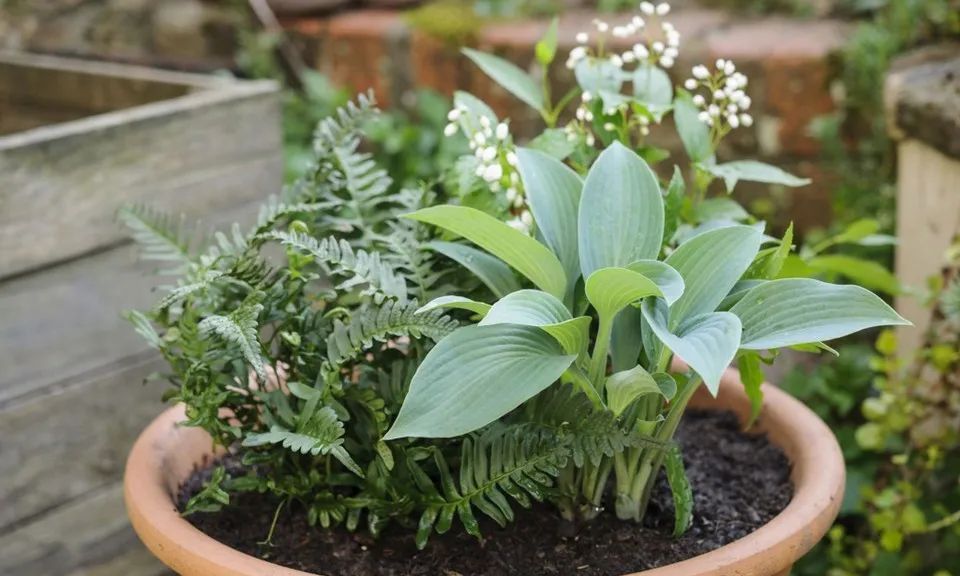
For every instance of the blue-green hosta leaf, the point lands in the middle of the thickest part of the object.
(521, 252)
(801, 310)
(753, 171)
(553, 191)
(554, 143)
(706, 342)
(596, 76)
(626, 338)
(536, 308)
(476, 375)
(460, 302)
(613, 289)
(621, 212)
(737, 293)
(475, 106)
(693, 132)
(721, 209)
(710, 264)
(663, 275)
(626, 386)
(509, 76)
(653, 87)
(866, 273)
(492, 271)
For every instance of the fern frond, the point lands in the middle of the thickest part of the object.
(378, 323)
(321, 434)
(240, 327)
(288, 206)
(345, 123)
(360, 267)
(144, 328)
(499, 467)
(180, 292)
(161, 236)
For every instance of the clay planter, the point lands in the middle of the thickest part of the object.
(166, 454)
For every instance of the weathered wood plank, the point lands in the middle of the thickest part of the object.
(87, 537)
(56, 448)
(60, 185)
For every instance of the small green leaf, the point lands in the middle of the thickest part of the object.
(546, 48)
(476, 375)
(707, 342)
(496, 275)
(673, 204)
(553, 191)
(668, 386)
(613, 289)
(768, 263)
(509, 76)
(623, 388)
(753, 171)
(554, 143)
(521, 252)
(682, 493)
(866, 273)
(599, 77)
(720, 209)
(460, 302)
(751, 374)
(795, 311)
(693, 132)
(621, 212)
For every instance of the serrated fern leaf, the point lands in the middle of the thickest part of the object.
(144, 328)
(180, 292)
(345, 123)
(161, 237)
(241, 328)
(279, 208)
(360, 267)
(378, 323)
(322, 434)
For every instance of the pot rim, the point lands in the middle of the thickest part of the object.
(155, 469)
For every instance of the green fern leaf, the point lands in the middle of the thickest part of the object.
(322, 434)
(240, 327)
(161, 237)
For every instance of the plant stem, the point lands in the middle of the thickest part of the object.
(598, 362)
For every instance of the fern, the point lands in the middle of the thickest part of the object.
(498, 467)
(377, 323)
(180, 292)
(289, 205)
(361, 267)
(144, 328)
(240, 327)
(161, 237)
(320, 434)
(346, 123)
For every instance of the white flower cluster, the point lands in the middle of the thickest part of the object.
(662, 51)
(727, 103)
(493, 147)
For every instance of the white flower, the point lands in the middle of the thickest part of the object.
(663, 9)
(454, 114)
(502, 131)
(729, 68)
(733, 121)
(526, 217)
(450, 130)
(588, 116)
(512, 160)
(700, 72)
(479, 138)
(745, 102)
(699, 100)
(719, 95)
(590, 140)
(746, 120)
(484, 121)
(628, 57)
(583, 37)
(581, 113)
(586, 96)
(671, 52)
(601, 25)
(578, 53)
(479, 170)
(489, 154)
(666, 62)
(713, 110)
(732, 108)
(690, 84)
(514, 178)
(609, 127)
(637, 22)
(657, 47)
(647, 8)
(511, 194)
(492, 173)
(616, 61)
(644, 120)
(645, 130)
(518, 225)
(721, 63)
(705, 118)
(641, 51)
(621, 31)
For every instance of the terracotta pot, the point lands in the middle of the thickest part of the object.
(166, 454)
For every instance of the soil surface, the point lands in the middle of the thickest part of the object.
(739, 483)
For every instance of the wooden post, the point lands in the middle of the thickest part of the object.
(923, 109)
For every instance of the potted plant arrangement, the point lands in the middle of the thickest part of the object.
(429, 363)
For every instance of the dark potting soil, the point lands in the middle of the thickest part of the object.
(739, 483)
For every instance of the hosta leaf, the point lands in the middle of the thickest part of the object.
(710, 264)
(663, 275)
(626, 386)
(553, 191)
(598, 77)
(523, 253)
(795, 311)
(693, 132)
(706, 342)
(474, 105)
(554, 143)
(721, 209)
(508, 75)
(612, 289)
(460, 302)
(492, 271)
(626, 338)
(621, 212)
(536, 308)
(476, 375)
(653, 87)
(753, 171)
(866, 273)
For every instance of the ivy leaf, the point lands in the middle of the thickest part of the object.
(509, 76)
